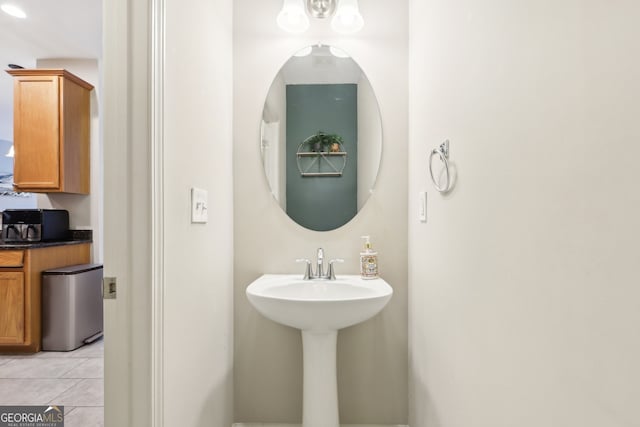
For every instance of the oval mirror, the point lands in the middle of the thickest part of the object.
(321, 138)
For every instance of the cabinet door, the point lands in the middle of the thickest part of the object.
(36, 128)
(11, 308)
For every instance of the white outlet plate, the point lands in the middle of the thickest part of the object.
(199, 206)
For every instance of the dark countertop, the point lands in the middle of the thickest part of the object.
(34, 245)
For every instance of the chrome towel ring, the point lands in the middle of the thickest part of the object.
(443, 153)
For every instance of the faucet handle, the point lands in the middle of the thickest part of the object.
(331, 273)
(307, 271)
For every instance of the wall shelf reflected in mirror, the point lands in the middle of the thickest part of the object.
(320, 163)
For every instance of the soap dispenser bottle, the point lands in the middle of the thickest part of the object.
(368, 261)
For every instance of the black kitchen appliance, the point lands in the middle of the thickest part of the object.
(35, 225)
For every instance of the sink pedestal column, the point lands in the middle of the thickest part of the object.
(320, 387)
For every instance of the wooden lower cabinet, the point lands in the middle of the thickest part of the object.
(11, 308)
(21, 289)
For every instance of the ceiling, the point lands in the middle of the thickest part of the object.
(52, 29)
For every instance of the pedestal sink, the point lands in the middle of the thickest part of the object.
(318, 308)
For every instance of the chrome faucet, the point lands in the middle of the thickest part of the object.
(319, 273)
(320, 264)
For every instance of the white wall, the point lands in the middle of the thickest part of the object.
(85, 211)
(524, 281)
(372, 357)
(198, 338)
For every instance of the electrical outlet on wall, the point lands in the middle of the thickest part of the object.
(199, 206)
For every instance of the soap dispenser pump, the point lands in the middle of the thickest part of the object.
(368, 261)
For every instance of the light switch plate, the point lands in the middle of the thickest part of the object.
(422, 206)
(199, 206)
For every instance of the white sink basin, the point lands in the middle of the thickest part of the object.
(318, 308)
(318, 304)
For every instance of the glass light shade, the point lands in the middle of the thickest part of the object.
(293, 17)
(10, 153)
(13, 10)
(347, 19)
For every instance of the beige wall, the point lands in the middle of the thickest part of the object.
(524, 281)
(372, 357)
(198, 257)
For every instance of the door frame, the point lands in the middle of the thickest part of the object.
(133, 216)
(157, 204)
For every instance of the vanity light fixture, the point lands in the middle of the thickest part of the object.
(346, 15)
(10, 153)
(13, 10)
(321, 8)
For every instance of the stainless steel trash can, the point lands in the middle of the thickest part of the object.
(71, 306)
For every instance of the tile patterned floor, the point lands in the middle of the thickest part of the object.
(74, 379)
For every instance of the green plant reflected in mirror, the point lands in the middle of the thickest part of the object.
(321, 138)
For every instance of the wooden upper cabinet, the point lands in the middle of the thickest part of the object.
(51, 131)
